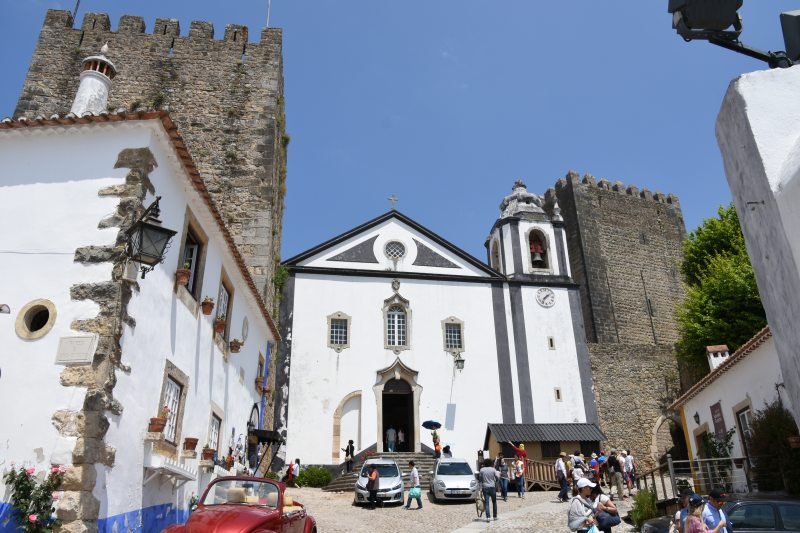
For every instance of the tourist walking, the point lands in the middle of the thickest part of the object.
(615, 471)
(519, 475)
(489, 478)
(580, 516)
(415, 491)
(694, 520)
(391, 438)
(578, 472)
(679, 519)
(401, 440)
(561, 475)
(501, 466)
(373, 484)
(713, 516)
(594, 466)
(630, 470)
(349, 452)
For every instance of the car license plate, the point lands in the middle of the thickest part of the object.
(384, 495)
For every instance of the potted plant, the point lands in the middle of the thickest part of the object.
(207, 305)
(190, 443)
(182, 274)
(157, 423)
(260, 383)
(208, 453)
(219, 324)
(235, 345)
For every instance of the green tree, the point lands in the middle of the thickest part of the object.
(777, 464)
(722, 303)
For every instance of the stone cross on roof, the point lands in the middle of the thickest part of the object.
(393, 199)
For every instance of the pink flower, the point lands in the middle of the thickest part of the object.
(55, 470)
(33, 518)
(30, 472)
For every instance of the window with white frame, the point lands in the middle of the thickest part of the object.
(172, 400)
(338, 331)
(214, 431)
(193, 251)
(224, 304)
(453, 334)
(396, 326)
(745, 419)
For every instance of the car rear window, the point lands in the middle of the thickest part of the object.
(454, 469)
(383, 471)
(790, 514)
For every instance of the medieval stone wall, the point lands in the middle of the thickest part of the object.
(625, 252)
(226, 96)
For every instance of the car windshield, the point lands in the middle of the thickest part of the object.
(454, 469)
(383, 470)
(242, 492)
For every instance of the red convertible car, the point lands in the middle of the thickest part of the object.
(246, 505)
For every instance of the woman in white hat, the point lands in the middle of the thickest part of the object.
(580, 516)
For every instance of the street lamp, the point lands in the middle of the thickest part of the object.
(148, 240)
(718, 22)
(696, 418)
(458, 361)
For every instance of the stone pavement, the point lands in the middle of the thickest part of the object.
(538, 512)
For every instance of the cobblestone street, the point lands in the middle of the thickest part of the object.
(538, 512)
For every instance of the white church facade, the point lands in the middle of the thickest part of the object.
(390, 325)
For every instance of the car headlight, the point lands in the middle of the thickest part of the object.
(473, 484)
(360, 486)
(397, 486)
(440, 484)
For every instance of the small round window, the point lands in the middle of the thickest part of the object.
(35, 319)
(394, 250)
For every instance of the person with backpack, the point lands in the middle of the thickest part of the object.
(580, 516)
(615, 471)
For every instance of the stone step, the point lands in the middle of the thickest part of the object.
(423, 461)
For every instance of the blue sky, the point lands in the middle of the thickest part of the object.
(446, 102)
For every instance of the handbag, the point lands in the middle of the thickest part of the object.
(348, 458)
(414, 492)
(606, 519)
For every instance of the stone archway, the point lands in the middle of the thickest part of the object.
(661, 438)
(336, 442)
(398, 371)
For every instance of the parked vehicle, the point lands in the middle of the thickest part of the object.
(391, 482)
(453, 479)
(749, 514)
(246, 504)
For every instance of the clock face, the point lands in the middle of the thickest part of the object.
(546, 297)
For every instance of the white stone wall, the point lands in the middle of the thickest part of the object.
(758, 130)
(750, 382)
(49, 194)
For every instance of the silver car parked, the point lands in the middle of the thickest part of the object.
(453, 479)
(390, 482)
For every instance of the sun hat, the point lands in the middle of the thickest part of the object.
(562, 454)
(594, 456)
(584, 482)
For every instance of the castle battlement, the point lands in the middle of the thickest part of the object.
(574, 179)
(164, 29)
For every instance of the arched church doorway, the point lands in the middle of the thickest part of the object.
(398, 413)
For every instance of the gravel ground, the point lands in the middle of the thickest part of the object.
(537, 512)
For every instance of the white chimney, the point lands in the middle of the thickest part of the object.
(92, 95)
(716, 355)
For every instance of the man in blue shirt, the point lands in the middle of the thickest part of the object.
(712, 514)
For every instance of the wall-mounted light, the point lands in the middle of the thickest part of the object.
(458, 361)
(148, 240)
(696, 418)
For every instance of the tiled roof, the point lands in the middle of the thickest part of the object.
(746, 349)
(188, 165)
(517, 433)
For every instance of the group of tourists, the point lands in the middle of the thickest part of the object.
(700, 516)
(616, 470)
(395, 439)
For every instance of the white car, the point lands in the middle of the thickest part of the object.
(453, 479)
(390, 482)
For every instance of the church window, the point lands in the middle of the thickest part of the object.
(338, 331)
(453, 333)
(551, 343)
(193, 255)
(394, 250)
(396, 326)
(35, 319)
(537, 244)
(557, 392)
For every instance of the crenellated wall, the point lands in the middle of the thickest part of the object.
(624, 247)
(225, 95)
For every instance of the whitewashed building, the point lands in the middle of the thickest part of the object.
(389, 324)
(727, 398)
(91, 350)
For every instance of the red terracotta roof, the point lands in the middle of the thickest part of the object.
(188, 165)
(746, 349)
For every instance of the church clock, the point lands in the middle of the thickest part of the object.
(546, 297)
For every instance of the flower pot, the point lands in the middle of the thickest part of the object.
(190, 444)
(235, 346)
(182, 276)
(207, 306)
(259, 383)
(207, 454)
(219, 326)
(157, 424)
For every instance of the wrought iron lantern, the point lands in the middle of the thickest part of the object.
(696, 417)
(458, 361)
(148, 241)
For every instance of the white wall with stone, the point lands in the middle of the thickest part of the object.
(49, 192)
(758, 130)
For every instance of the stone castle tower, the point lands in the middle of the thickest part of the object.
(625, 252)
(226, 96)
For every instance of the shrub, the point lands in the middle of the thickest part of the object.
(777, 465)
(644, 507)
(32, 500)
(314, 476)
(271, 475)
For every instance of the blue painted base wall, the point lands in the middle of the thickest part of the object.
(151, 519)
